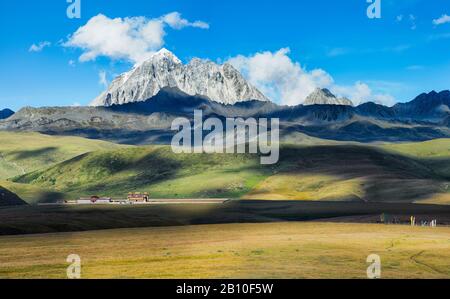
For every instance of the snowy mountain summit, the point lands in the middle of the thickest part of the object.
(220, 83)
(325, 97)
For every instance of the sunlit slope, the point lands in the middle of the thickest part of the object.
(155, 169)
(436, 155)
(349, 173)
(22, 152)
(331, 172)
(438, 148)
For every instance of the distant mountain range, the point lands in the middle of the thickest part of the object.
(144, 122)
(140, 105)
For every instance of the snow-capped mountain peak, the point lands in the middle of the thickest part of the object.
(165, 54)
(220, 83)
(322, 96)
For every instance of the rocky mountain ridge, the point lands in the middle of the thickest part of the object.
(322, 96)
(150, 121)
(220, 83)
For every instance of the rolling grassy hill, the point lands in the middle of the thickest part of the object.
(438, 148)
(350, 172)
(156, 169)
(23, 152)
(323, 172)
(434, 153)
(32, 194)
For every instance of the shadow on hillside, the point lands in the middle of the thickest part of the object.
(29, 154)
(48, 197)
(386, 177)
(382, 176)
(8, 198)
(131, 137)
(47, 219)
(151, 168)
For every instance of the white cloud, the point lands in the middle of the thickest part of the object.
(133, 39)
(361, 92)
(175, 21)
(71, 62)
(278, 77)
(412, 19)
(76, 104)
(442, 20)
(39, 47)
(102, 79)
(384, 99)
(287, 82)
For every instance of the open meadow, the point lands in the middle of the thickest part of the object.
(315, 214)
(269, 250)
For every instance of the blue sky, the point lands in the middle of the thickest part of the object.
(398, 56)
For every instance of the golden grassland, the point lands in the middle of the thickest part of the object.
(272, 250)
(437, 199)
(293, 186)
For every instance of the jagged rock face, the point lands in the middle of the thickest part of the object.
(220, 83)
(325, 97)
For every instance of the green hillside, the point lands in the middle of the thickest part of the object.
(32, 194)
(434, 153)
(23, 152)
(349, 172)
(155, 169)
(438, 148)
(327, 172)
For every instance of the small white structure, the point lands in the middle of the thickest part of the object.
(94, 200)
(120, 202)
(84, 201)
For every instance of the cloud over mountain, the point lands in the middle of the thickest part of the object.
(102, 78)
(287, 82)
(280, 78)
(134, 39)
